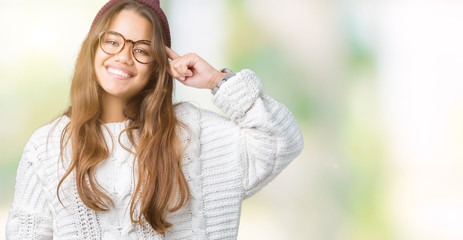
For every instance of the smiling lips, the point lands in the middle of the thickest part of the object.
(119, 72)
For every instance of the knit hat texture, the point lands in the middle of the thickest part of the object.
(153, 4)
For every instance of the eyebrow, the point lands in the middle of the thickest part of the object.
(142, 40)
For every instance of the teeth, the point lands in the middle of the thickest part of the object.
(118, 72)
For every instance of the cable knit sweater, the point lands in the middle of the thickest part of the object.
(225, 161)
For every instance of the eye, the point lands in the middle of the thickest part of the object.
(113, 43)
(142, 49)
(141, 52)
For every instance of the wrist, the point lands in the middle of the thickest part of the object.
(218, 76)
(226, 74)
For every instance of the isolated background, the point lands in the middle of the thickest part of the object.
(376, 87)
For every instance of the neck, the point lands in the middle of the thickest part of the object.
(113, 109)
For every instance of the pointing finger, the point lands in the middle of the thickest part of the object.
(171, 53)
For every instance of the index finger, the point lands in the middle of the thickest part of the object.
(171, 53)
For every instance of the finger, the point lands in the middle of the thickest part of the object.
(170, 71)
(182, 70)
(171, 53)
(183, 75)
(176, 75)
(181, 67)
(184, 65)
(180, 73)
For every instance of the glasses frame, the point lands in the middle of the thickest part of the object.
(123, 46)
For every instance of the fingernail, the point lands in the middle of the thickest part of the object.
(182, 78)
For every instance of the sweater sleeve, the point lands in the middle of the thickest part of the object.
(266, 136)
(30, 216)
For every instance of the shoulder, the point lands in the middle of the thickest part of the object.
(189, 116)
(48, 134)
(186, 108)
(50, 130)
(187, 113)
(42, 149)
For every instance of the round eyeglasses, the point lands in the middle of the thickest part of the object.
(113, 43)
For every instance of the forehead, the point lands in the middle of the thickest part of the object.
(132, 25)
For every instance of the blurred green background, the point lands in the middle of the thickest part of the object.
(375, 86)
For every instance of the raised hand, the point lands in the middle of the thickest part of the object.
(191, 70)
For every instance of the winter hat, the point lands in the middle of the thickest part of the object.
(153, 4)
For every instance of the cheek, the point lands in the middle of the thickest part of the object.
(98, 65)
(144, 72)
(100, 57)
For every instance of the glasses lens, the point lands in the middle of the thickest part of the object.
(142, 52)
(111, 42)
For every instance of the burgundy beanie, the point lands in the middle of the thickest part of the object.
(153, 4)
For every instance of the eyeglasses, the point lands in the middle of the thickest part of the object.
(113, 43)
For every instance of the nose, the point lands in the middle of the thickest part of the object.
(125, 55)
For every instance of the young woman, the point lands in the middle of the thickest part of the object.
(124, 162)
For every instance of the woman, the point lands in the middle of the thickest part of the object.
(123, 162)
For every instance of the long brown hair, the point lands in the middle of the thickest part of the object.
(152, 130)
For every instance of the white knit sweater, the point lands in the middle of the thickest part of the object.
(225, 161)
